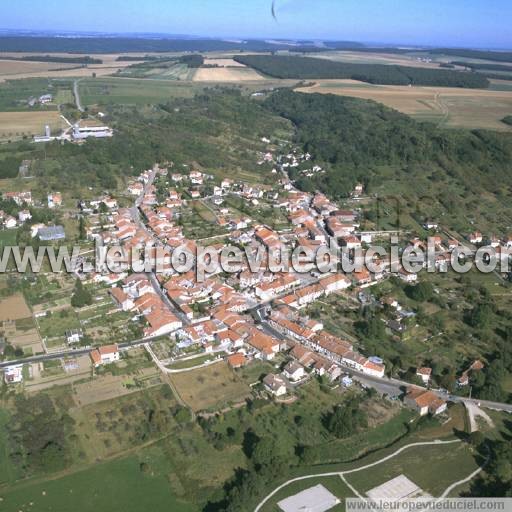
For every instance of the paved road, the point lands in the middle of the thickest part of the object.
(164, 368)
(136, 217)
(70, 353)
(77, 95)
(395, 387)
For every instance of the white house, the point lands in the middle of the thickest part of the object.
(408, 277)
(54, 200)
(13, 374)
(10, 222)
(424, 402)
(122, 299)
(105, 355)
(74, 336)
(424, 374)
(275, 384)
(335, 283)
(373, 369)
(476, 237)
(24, 215)
(294, 371)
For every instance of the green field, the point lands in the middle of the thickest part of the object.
(432, 468)
(116, 486)
(14, 94)
(8, 237)
(7, 471)
(177, 71)
(151, 90)
(58, 323)
(133, 91)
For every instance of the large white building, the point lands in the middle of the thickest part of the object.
(83, 132)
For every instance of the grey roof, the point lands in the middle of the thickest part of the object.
(51, 233)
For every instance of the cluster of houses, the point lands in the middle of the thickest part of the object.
(136, 294)
(24, 202)
(216, 313)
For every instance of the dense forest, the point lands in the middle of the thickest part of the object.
(352, 136)
(310, 68)
(192, 61)
(474, 54)
(507, 120)
(477, 65)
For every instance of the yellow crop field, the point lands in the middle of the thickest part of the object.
(17, 124)
(232, 74)
(447, 106)
(224, 62)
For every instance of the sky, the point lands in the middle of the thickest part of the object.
(470, 23)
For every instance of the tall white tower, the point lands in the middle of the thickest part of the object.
(47, 131)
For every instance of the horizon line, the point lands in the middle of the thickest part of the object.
(60, 33)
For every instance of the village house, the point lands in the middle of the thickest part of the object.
(177, 178)
(74, 336)
(424, 374)
(350, 242)
(354, 360)
(266, 291)
(294, 371)
(362, 278)
(424, 402)
(122, 299)
(337, 228)
(135, 189)
(408, 277)
(335, 283)
(24, 215)
(54, 200)
(237, 360)
(10, 222)
(275, 384)
(105, 355)
(374, 369)
(358, 190)
(265, 346)
(196, 178)
(19, 197)
(13, 374)
(475, 238)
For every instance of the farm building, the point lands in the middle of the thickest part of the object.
(314, 499)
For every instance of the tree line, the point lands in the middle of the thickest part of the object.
(54, 58)
(310, 68)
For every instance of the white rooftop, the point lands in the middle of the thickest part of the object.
(396, 489)
(314, 499)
